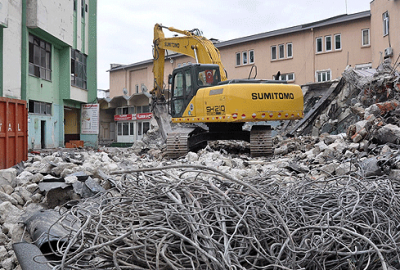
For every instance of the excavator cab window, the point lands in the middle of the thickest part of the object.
(187, 80)
(183, 90)
(177, 93)
(207, 77)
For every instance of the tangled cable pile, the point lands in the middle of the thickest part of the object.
(194, 217)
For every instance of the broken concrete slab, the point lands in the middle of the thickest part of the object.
(8, 198)
(7, 177)
(388, 134)
(370, 167)
(315, 111)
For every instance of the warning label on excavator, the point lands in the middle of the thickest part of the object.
(272, 96)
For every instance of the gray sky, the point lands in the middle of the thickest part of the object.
(125, 27)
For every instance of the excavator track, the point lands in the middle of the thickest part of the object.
(182, 140)
(177, 144)
(261, 141)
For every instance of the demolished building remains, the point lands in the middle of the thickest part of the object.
(328, 198)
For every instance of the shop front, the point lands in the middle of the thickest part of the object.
(131, 127)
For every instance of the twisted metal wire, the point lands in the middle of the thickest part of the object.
(194, 217)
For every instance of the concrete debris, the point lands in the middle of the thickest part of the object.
(303, 157)
(359, 104)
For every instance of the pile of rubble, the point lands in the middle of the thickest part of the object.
(360, 103)
(25, 188)
(342, 158)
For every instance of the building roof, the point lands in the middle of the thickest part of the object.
(326, 22)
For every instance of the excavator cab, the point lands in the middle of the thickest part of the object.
(185, 82)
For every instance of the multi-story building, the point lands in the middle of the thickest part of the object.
(314, 52)
(48, 57)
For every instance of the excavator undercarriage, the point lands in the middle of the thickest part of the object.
(182, 140)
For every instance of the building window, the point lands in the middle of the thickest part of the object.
(281, 51)
(83, 8)
(323, 76)
(245, 58)
(125, 128)
(125, 110)
(39, 58)
(75, 5)
(328, 43)
(39, 107)
(319, 44)
(136, 88)
(122, 110)
(289, 50)
(338, 42)
(238, 59)
(286, 77)
(146, 127)
(119, 129)
(78, 69)
(365, 37)
(244, 55)
(146, 109)
(142, 109)
(273, 52)
(385, 17)
(251, 57)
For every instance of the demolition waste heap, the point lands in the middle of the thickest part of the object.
(327, 199)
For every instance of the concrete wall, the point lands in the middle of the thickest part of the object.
(107, 126)
(117, 82)
(78, 94)
(12, 51)
(4, 13)
(379, 42)
(52, 16)
(137, 78)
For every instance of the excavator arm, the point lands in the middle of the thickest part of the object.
(191, 44)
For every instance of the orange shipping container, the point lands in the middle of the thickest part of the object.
(13, 132)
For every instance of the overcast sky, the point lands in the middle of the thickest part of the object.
(125, 27)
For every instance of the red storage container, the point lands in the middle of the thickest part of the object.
(13, 132)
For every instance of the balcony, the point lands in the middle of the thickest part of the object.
(52, 17)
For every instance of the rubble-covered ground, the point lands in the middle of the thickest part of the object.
(324, 200)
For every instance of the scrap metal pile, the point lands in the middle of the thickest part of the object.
(196, 217)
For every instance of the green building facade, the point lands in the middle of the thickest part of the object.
(54, 53)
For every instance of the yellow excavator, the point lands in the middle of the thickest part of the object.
(208, 105)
